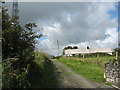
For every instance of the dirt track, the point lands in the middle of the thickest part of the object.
(69, 79)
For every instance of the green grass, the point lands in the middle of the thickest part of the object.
(91, 68)
(41, 73)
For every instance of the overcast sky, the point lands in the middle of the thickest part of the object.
(79, 24)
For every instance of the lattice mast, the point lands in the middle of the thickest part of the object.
(15, 12)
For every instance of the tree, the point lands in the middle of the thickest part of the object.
(70, 47)
(17, 51)
(75, 47)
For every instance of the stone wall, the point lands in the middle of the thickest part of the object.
(112, 72)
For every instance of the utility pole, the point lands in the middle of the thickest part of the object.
(15, 13)
(58, 47)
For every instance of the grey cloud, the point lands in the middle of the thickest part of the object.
(88, 21)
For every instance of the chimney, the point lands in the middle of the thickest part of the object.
(87, 47)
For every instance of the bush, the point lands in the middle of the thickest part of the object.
(18, 45)
(41, 72)
(13, 77)
(41, 56)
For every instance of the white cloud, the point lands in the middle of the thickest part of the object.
(87, 25)
(81, 24)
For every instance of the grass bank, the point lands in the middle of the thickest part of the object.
(41, 72)
(91, 68)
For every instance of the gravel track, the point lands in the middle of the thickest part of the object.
(70, 79)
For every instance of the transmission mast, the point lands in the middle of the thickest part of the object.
(15, 13)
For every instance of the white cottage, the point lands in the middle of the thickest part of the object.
(82, 51)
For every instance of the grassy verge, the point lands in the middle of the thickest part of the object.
(41, 73)
(91, 68)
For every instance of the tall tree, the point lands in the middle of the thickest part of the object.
(17, 51)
